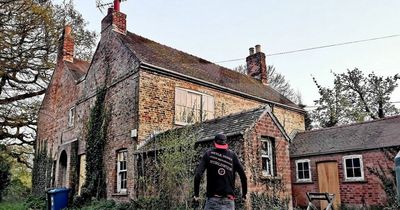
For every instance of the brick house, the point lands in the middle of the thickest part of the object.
(255, 135)
(150, 88)
(339, 160)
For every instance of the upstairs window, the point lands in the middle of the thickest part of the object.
(122, 171)
(267, 156)
(192, 107)
(353, 168)
(71, 117)
(303, 172)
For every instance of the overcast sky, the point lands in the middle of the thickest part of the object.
(219, 30)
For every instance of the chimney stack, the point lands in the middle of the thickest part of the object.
(114, 19)
(256, 65)
(68, 44)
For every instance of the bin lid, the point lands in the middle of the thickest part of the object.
(57, 190)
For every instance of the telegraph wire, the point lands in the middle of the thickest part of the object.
(318, 47)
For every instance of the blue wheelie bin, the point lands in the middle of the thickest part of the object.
(57, 198)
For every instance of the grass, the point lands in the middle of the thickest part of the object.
(12, 205)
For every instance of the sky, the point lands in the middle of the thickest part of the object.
(219, 30)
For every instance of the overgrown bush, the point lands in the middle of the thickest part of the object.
(36, 202)
(5, 175)
(172, 170)
(261, 201)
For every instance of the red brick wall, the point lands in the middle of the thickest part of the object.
(265, 127)
(368, 192)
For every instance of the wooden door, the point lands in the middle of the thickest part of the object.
(328, 181)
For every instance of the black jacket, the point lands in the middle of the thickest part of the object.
(221, 166)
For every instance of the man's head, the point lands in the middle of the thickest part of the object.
(220, 141)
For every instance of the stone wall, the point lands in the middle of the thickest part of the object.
(157, 102)
(292, 121)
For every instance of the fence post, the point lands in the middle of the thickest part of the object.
(397, 163)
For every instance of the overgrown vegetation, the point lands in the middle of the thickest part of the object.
(95, 183)
(167, 183)
(387, 175)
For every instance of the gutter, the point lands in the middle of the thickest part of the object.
(178, 75)
(338, 151)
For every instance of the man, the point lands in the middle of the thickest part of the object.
(221, 164)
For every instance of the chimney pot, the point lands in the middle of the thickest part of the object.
(116, 5)
(258, 48)
(251, 50)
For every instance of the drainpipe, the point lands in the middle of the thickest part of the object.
(397, 163)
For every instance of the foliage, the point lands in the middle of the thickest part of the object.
(95, 183)
(42, 165)
(355, 98)
(36, 202)
(5, 175)
(267, 201)
(173, 170)
(387, 175)
(12, 205)
(28, 49)
(277, 81)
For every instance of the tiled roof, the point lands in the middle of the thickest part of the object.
(78, 68)
(359, 136)
(230, 125)
(169, 58)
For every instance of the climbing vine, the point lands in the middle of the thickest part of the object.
(41, 173)
(95, 183)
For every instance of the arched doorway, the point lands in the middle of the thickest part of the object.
(62, 169)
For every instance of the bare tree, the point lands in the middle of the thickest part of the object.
(29, 33)
(277, 81)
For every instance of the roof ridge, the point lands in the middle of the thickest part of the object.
(352, 124)
(233, 114)
(194, 56)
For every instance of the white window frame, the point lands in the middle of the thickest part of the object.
(202, 110)
(71, 117)
(120, 171)
(361, 168)
(270, 156)
(297, 170)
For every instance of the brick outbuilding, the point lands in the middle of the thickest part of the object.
(344, 160)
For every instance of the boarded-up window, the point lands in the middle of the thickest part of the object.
(122, 171)
(82, 172)
(192, 107)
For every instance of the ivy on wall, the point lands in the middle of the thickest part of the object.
(95, 183)
(41, 173)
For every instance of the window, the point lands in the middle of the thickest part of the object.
(121, 171)
(353, 168)
(71, 117)
(303, 171)
(267, 156)
(191, 106)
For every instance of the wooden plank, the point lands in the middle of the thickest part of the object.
(328, 181)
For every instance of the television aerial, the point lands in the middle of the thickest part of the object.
(104, 5)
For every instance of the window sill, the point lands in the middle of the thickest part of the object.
(355, 181)
(304, 182)
(270, 178)
(120, 194)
